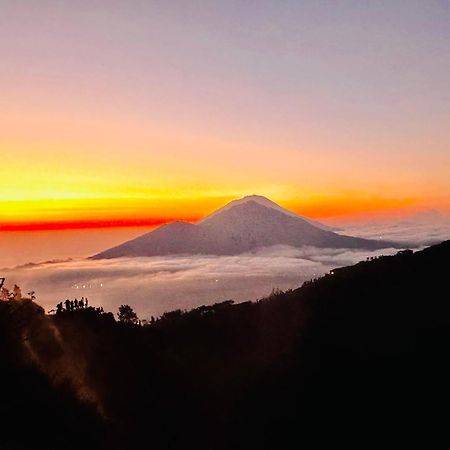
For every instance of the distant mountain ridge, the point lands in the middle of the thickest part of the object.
(241, 226)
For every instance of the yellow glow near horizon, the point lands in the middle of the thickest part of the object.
(112, 174)
(126, 115)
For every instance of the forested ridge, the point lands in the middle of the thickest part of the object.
(358, 355)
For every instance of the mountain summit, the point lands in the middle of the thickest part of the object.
(264, 201)
(240, 226)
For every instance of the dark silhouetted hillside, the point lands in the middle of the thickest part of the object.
(358, 357)
(39, 411)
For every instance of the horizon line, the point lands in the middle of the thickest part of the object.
(91, 224)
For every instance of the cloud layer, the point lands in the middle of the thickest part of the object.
(158, 284)
(418, 232)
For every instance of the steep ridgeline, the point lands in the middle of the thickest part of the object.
(241, 226)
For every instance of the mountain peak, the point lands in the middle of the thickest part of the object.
(263, 201)
(255, 197)
(240, 226)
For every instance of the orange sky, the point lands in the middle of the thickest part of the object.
(137, 114)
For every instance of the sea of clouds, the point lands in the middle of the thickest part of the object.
(158, 284)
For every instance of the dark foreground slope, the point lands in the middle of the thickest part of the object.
(356, 357)
(38, 409)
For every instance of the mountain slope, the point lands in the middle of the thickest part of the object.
(360, 355)
(237, 228)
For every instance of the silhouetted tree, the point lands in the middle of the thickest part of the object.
(127, 315)
(4, 294)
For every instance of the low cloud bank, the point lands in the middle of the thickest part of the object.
(408, 231)
(158, 284)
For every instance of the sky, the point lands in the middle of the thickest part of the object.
(135, 113)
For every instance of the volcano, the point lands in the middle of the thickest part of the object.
(241, 226)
